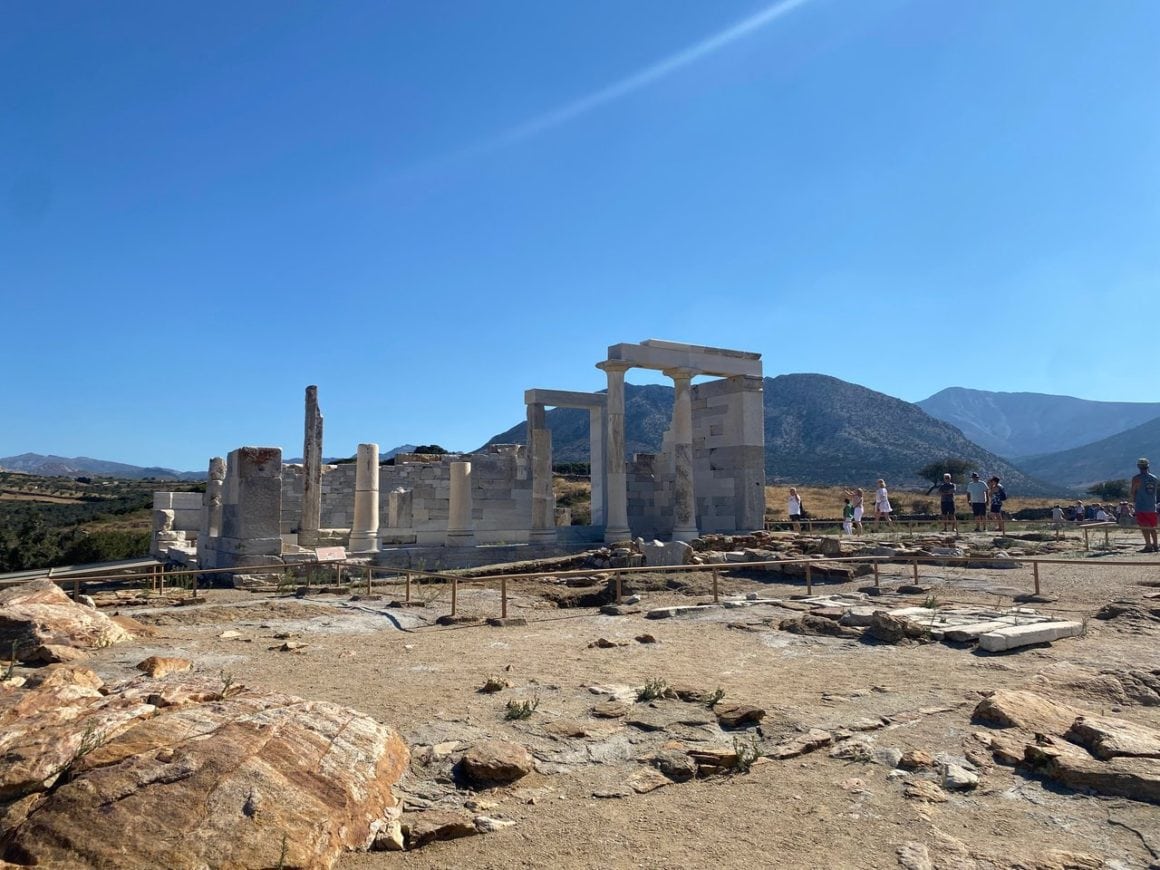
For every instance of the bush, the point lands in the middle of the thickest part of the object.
(1110, 490)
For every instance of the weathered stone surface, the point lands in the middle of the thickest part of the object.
(495, 762)
(925, 790)
(40, 613)
(250, 780)
(815, 738)
(738, 715)
(811, 624)
(1061, 859)
(419, 829)
(915, 759)
(157, 666)
(1027, 710)
(914, 856)
(1026, 635)
(54, 654)
(610, 709)
(649, 779)
(1134, 778)
(674, 764)
(886, 628)
(958, 778)
(1110, 738)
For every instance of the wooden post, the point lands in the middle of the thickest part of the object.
(716, 592)
(454, 594)
(338, 575)
(619, 588)
(503, 598)
(76, 588)
(1085, 539)
(161, 576)
(809, 580)
(915, 563)
(407, 591)
(876, 573)
(1035, 570)
(193, 585)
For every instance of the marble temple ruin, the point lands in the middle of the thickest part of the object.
(464, 509)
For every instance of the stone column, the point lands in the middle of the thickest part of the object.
(596, 468)
(616, 516)
(211, 511)
(399, 501)
(684, 497)
(312, 473)
(460, 523)
(540, 460)
(364, 532)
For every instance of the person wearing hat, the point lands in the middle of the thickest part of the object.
(977, 496)
(1144, 492)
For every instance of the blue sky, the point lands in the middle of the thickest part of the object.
(426, 208)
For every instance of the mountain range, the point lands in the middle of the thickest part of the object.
(1017, 425)
(62, 466)
(818, 429)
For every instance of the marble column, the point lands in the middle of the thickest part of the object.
(596, 468)
(211, 512)
(616, 477)
(684, 497)
(312, 476)
(364, 532)
(460, 523)
(540, 459)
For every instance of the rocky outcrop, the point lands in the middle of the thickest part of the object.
(495, 762)
(39, 614)
(186, 772)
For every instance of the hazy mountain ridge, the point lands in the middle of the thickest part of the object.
(818, 429)
(1111, 458)
(1019, 425)
(62, 466)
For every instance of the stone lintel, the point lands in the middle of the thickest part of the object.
(564, 399)
(661, 355)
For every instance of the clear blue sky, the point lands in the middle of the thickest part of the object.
(425, 208)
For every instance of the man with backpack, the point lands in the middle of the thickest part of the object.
(998, 495)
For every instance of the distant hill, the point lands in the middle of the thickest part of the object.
(61, 466)
(818, 430)
(1111, 458)
(1029, 424)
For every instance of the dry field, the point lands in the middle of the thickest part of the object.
(814, 810)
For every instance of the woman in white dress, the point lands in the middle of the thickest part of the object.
(882, 507)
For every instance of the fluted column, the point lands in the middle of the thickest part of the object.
(364, 532)
(543, 498)
(684, 497)
(616, 477)
(460, 524)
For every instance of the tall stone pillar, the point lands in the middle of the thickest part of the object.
(596, 468)
(460, 524)
(684, 497)
(211, 512)
(252, 509)
(312, 477)
(364, 532)
(616, 498)
(543, 498)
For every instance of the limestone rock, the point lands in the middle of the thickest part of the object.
(610, 709)
(1108, 738)
(419, 829)
(156, 666)
(815, 738)
(489, 825)
(674, 764)
(54, 654)
(738, 715)
(495, 762)
(814, 625)
(1134, 778)
(893, 629)
(958, 778)
(40, 613)
(1060, 859)
(914, 856)
(915, 759)
(251, 780)
(925, 790)
(1027, 710)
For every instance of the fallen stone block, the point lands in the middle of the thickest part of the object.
(1026, 635)
(1108, 738)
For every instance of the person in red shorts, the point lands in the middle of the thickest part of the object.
(1144, 493)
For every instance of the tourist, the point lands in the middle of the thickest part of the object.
(1144, 494)
(882, 507)
(856, 501)
(998, 495)
(1077, 512)
(794, 508)
(1057, 517)
(847, 517)
(977, 496)
(946, 492)
(1101, 515)
(1124, 515)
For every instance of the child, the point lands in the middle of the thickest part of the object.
(856, 496)
(847, 518)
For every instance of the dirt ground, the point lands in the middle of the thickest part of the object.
(811, 811)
